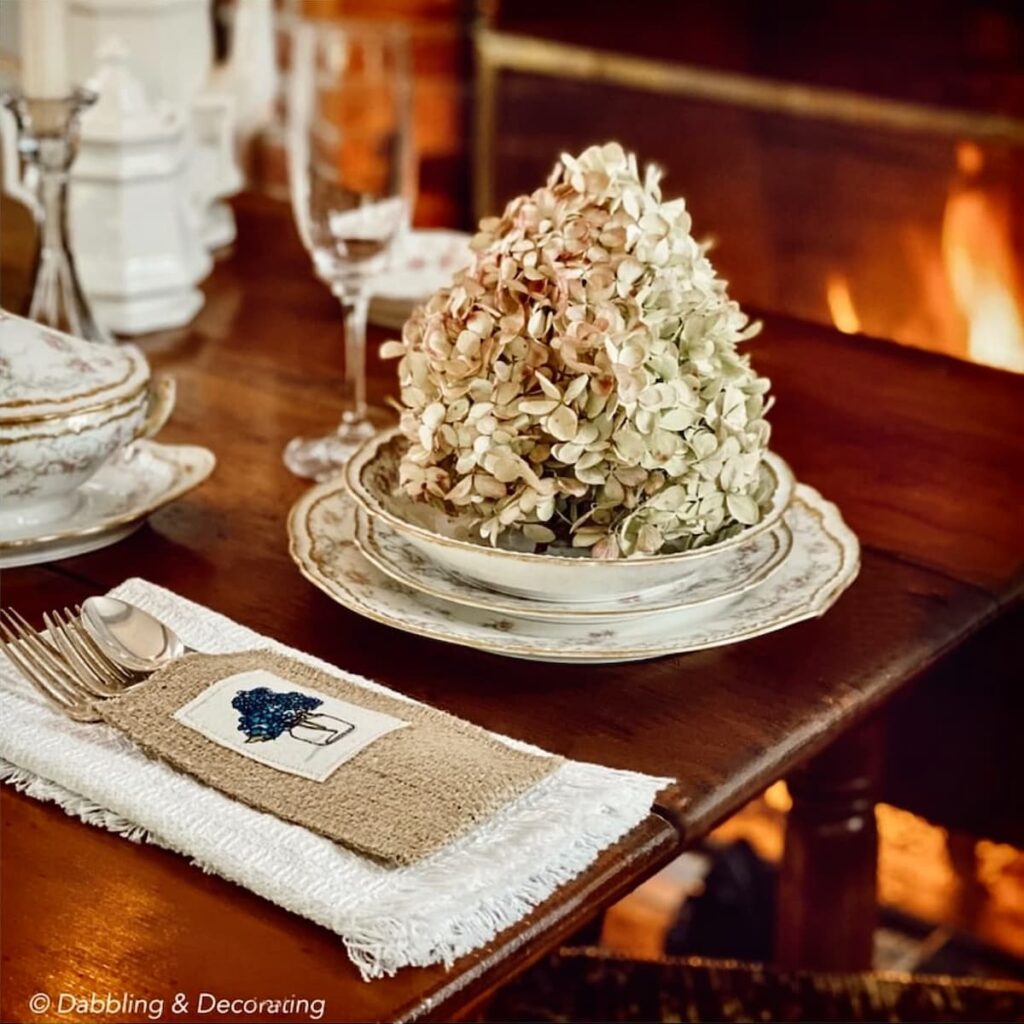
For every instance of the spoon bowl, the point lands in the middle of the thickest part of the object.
(129, 636)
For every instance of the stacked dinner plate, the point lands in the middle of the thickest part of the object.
(403, 563)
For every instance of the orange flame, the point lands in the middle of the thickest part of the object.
(840, 304)
(977, 251)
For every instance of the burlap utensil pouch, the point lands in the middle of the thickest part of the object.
(390, 779)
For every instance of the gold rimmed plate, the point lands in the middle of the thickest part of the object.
(114, 503)
(745, 567)
(823, 561)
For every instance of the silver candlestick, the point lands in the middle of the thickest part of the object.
(48, 144)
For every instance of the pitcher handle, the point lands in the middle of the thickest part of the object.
(213, 116)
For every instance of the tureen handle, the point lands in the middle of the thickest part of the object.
(161, 402)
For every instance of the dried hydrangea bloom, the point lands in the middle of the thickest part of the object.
(580, 382)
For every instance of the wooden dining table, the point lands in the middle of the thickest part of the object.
(923, 455)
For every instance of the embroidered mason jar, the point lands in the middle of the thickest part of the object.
(320, 729)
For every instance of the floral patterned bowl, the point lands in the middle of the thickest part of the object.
(372, 475)
(66, 406)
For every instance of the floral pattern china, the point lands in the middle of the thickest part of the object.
(423, 262)
(66, 407)
(42, 370)
(743, 568)
(824, 561)
(559, 575)
(117, 500)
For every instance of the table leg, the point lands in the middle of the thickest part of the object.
(827, 886)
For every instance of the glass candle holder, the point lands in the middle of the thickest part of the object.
(48, 132)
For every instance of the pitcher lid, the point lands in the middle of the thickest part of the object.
(123, 113)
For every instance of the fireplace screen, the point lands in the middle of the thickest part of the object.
(881, 214)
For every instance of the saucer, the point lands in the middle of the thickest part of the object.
(113, 503)
(423, 262)
(743, 568)
(823, 562)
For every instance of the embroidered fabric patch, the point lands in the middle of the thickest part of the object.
(284, 725)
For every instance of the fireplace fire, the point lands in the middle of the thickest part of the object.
(840, 303)
(978, 255)
(967, 277)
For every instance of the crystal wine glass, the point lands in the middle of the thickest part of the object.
(350, 174)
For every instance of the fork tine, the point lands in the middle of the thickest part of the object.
(118, 673)
(28, 670)
(21, 625)
(48, 659)
(109, 672)
(40, 677)
(40, 654)
(91, 677)
(27, 636)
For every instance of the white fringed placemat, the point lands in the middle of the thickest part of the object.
(433, 911)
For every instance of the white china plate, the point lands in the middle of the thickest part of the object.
(423, 262)
(114, 503)
(743, 568)
(824, 561)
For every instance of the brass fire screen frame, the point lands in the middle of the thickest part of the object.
(497, 51)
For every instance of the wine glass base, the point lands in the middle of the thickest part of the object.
(319, 458)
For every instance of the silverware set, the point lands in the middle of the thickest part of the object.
(88, 653)
(64, 664)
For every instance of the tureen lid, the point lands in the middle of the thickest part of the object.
(46, 374)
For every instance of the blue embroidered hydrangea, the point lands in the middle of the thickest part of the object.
(265, 715)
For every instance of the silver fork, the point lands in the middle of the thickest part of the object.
(98, 674)
(60, 667)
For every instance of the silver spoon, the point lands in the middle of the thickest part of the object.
(129, 636)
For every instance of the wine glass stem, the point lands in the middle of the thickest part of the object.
(356, 308)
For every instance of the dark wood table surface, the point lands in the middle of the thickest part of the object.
(922, 454)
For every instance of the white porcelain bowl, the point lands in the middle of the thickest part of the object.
(66, 406)
(372, 473)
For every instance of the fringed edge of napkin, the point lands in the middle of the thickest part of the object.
(72, 804)
(378, 946)
(583, 838)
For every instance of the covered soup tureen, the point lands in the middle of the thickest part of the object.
(66, 406)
